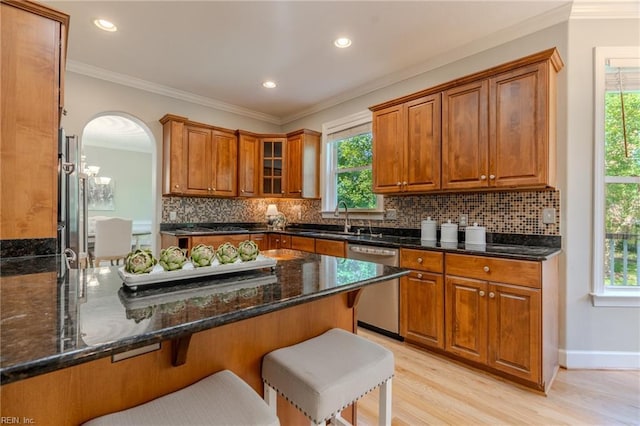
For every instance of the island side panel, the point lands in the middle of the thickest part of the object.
(76, 394)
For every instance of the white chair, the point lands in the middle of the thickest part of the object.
(112, 240)
(326, 374)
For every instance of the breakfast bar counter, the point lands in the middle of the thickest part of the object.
(77, 347)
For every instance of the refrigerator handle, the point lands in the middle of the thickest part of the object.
(84, 205)
(70, 257)
(68, 168)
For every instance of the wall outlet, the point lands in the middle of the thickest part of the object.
(549, 215)
(391, 214)
(464, 220)
(173, 215)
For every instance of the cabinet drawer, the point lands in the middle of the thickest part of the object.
(331, 247)
(422, 260)
(303, 243)
(520, 272)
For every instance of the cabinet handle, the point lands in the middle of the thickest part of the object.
(486, 269)
(419, 276)
(483, 177)
(481, 293)
(420, 260)
(492, 295)
(492, 177)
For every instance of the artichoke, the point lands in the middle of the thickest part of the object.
(248, 250)
(140, 261)
(172, 258)
(202, 255)
(227, 253)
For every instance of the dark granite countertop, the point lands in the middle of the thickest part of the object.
(509, 246)
(49, 323)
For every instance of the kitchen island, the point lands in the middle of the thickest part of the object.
(85, 345)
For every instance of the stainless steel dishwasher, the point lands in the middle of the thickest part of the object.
(379, 305)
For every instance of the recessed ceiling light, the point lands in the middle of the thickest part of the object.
(105, 25)
(269, 84)
(342, 42)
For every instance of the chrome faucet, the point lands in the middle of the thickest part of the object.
(347, 226)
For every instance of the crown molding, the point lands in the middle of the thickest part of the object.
(126, 80)
(602, 9)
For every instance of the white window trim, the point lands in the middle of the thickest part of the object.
(329, 199)
(602, 296)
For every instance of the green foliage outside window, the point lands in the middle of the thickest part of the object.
(354, 180)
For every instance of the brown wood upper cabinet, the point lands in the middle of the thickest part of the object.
(199, 160)
(34, 40)
(495, 129)
(302, 164)
(248, 164)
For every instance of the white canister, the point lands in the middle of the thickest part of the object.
(428, 230)
(449, 232)
(476, 235)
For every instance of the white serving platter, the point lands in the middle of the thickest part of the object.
(135, 281)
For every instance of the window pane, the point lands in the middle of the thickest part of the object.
(355, 188)
(622, 226)
(622, 157)
(355, 151)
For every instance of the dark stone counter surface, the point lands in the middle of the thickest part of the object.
(49, 323)
(510, 246)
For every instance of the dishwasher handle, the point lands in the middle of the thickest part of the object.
(373, 251)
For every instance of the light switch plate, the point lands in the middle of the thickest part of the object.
(392, 214)
(549, 215)
(173, 215)
(464, 219)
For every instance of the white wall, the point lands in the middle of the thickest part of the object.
(601, 336)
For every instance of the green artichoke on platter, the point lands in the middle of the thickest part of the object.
(248, 250)
(172, 258)
(227, 253)
(140, 261)
(202, 255)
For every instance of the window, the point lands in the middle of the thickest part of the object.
(617, 177)
(347, 147)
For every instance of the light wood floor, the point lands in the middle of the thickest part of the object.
(428, 389)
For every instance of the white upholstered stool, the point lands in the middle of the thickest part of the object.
(323, 375)
(220, 399)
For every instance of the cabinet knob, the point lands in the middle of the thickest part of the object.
(405, 183)
(177, 186)
(492, 177)
(282, 192)
(299, 190)
(419, 276)
(481, 293)
(486, 269)
(420, 260)
(242, 190)
(483, 177)
(399, 183)
(492, 295)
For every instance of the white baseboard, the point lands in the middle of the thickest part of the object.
(599, 359)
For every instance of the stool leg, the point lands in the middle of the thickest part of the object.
(384, 409)
(271, 397)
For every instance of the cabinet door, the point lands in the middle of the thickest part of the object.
(293, 167)
(249, 164)
(217, 240)
(388, 150)
(465, 137)
(273, 162)
(422, 148)
(303, 243)
(466, 318)
(515, 337)
(198, 160)
(422, 309)
(262, 240)
(331, 247)
(518, 141)
(174, 157)
(225, 164)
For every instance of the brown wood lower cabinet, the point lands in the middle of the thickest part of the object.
(279, 241)
(331, 247)
(262, 240)
(500, 315)
(303, 244)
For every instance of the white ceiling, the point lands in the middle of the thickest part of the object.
(218, 53)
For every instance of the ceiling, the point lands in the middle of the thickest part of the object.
(218, 53)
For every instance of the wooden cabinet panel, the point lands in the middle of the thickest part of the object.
(225, 164)
(272, 158)
(422, 148)
(521, 272)
(422, 309)
(421, 260)
(279, 241)
(249, 164)
(217, 240)
(303, 243)
(514, 331)
(518, 141)
(174, 171)
(331, 247)
(32, 69)
(262, 240)
(198, 156)
(387, 163)
(294, 167)
(466, 318)
(303, 164)
(465, 137)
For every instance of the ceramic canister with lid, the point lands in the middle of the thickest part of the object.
(449, 232)
(475, 235)
(428, 229)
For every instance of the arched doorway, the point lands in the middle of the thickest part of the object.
(119, 155)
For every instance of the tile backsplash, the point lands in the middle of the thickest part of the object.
(501, 212)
